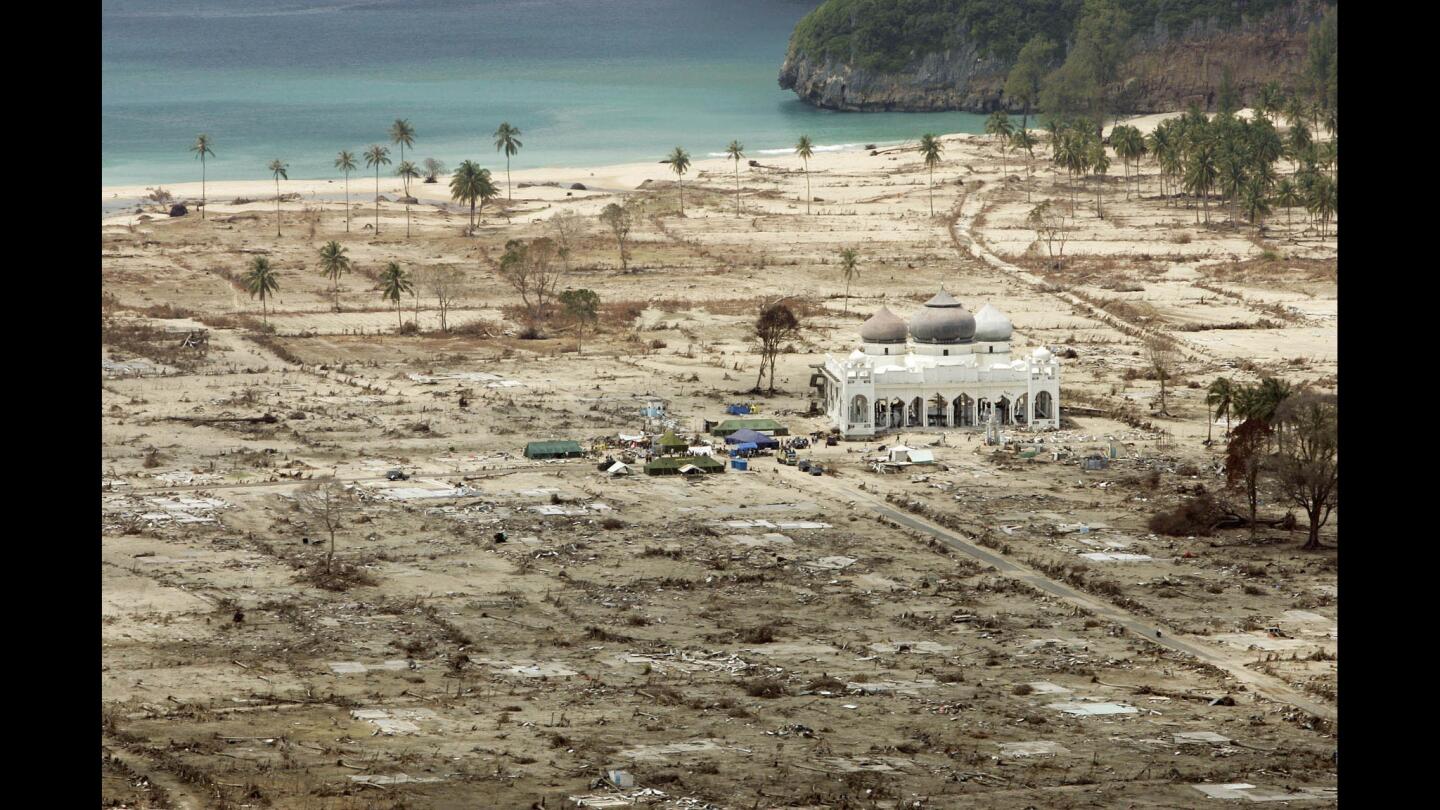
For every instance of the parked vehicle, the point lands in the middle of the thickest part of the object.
(397, 475)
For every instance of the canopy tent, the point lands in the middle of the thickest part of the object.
(764, 425)
(553, 449)
(746, 435)
(672, 442)
(670, 465)
(743, 446)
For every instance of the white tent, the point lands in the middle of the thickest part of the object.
(900, 453)
(618, 468)
(922, 457)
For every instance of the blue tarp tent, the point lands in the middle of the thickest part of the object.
(747, 435)
(743, 446)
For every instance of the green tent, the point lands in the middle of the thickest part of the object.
(768, 426)
(670, 443)
(670, 465)
(554, 449)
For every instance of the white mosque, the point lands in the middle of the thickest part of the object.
(946, 369)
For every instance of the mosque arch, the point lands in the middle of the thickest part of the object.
(859, 410)
(962, 411)
(935, 414)
(915, 417)
(1044, 405)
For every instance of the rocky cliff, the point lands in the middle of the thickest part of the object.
(1166, 71)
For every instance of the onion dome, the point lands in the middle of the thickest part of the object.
(1042, 355)
(883, 327)
(943, 320)
(992, 326)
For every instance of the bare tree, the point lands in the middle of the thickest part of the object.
(619, 219)
(1306, 470)
(567, 227)
(327, 502)
(775, 325)
(530, 269)
(1049, 222)
(446, 283)
(1160, 352)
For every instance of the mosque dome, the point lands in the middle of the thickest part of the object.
(883, 327)
(943, 320)
(992, 326)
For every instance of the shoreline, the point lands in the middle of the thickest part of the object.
(613, 176)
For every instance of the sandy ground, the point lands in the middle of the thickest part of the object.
(759, 639)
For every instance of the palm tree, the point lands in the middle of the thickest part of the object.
(507, 138)
(278, 170)
(1220, 397)
(1271, 99)
(1288, 196)
(848, 270)
(1100, 162)
(408, 171)
(1233, 176)
(1200, 175)
(1023, 141)
(679, 161)
(736, 150)
(333, 264)
(1129, 146)
(377, 156)
(345, 162)
(1295, 111)
(1322, 201)
(262, 281)
(998, 124)
(471, 184)
(201, 148)
(930, 151)
(804, 149)
(394, 282)
(402, 133)
(1256, 200)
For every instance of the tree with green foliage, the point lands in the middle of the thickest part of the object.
(582, 308)
(201, 148)
(1321, 58)
(333, 264)
(261, 281)
(1271, 99)
(1256, 200)
(1322, 201)
(403, 134)
(804, 150)
(394, 282)
(736, 151)
(1287, 196)
(1201, 174)
(1026, 77)
(278, 169)
(775, 325)
(930, 151)
(1080, 87)
(345, 162)
(849, 269)
(679, 161)
(619, 220)
(1306, 470)
(507, 139)
(377, 156)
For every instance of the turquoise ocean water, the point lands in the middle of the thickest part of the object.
(588, 82)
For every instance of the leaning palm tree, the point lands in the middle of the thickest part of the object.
(848, 270)
(262, 281)
(377, 156)
(402, 133)
(1201, 172)
(679, 161)
(930, 151)
(345, 162)
(333, 264)
(998, 124)
(407, 171)
(278, 170)
(201, 148)
(804, 149)
(395, 282)
(736, 150)
(1220, 397)
(507, 139)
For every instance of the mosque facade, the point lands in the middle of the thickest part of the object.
(944, 370)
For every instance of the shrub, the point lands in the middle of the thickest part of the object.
(1195, 516)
